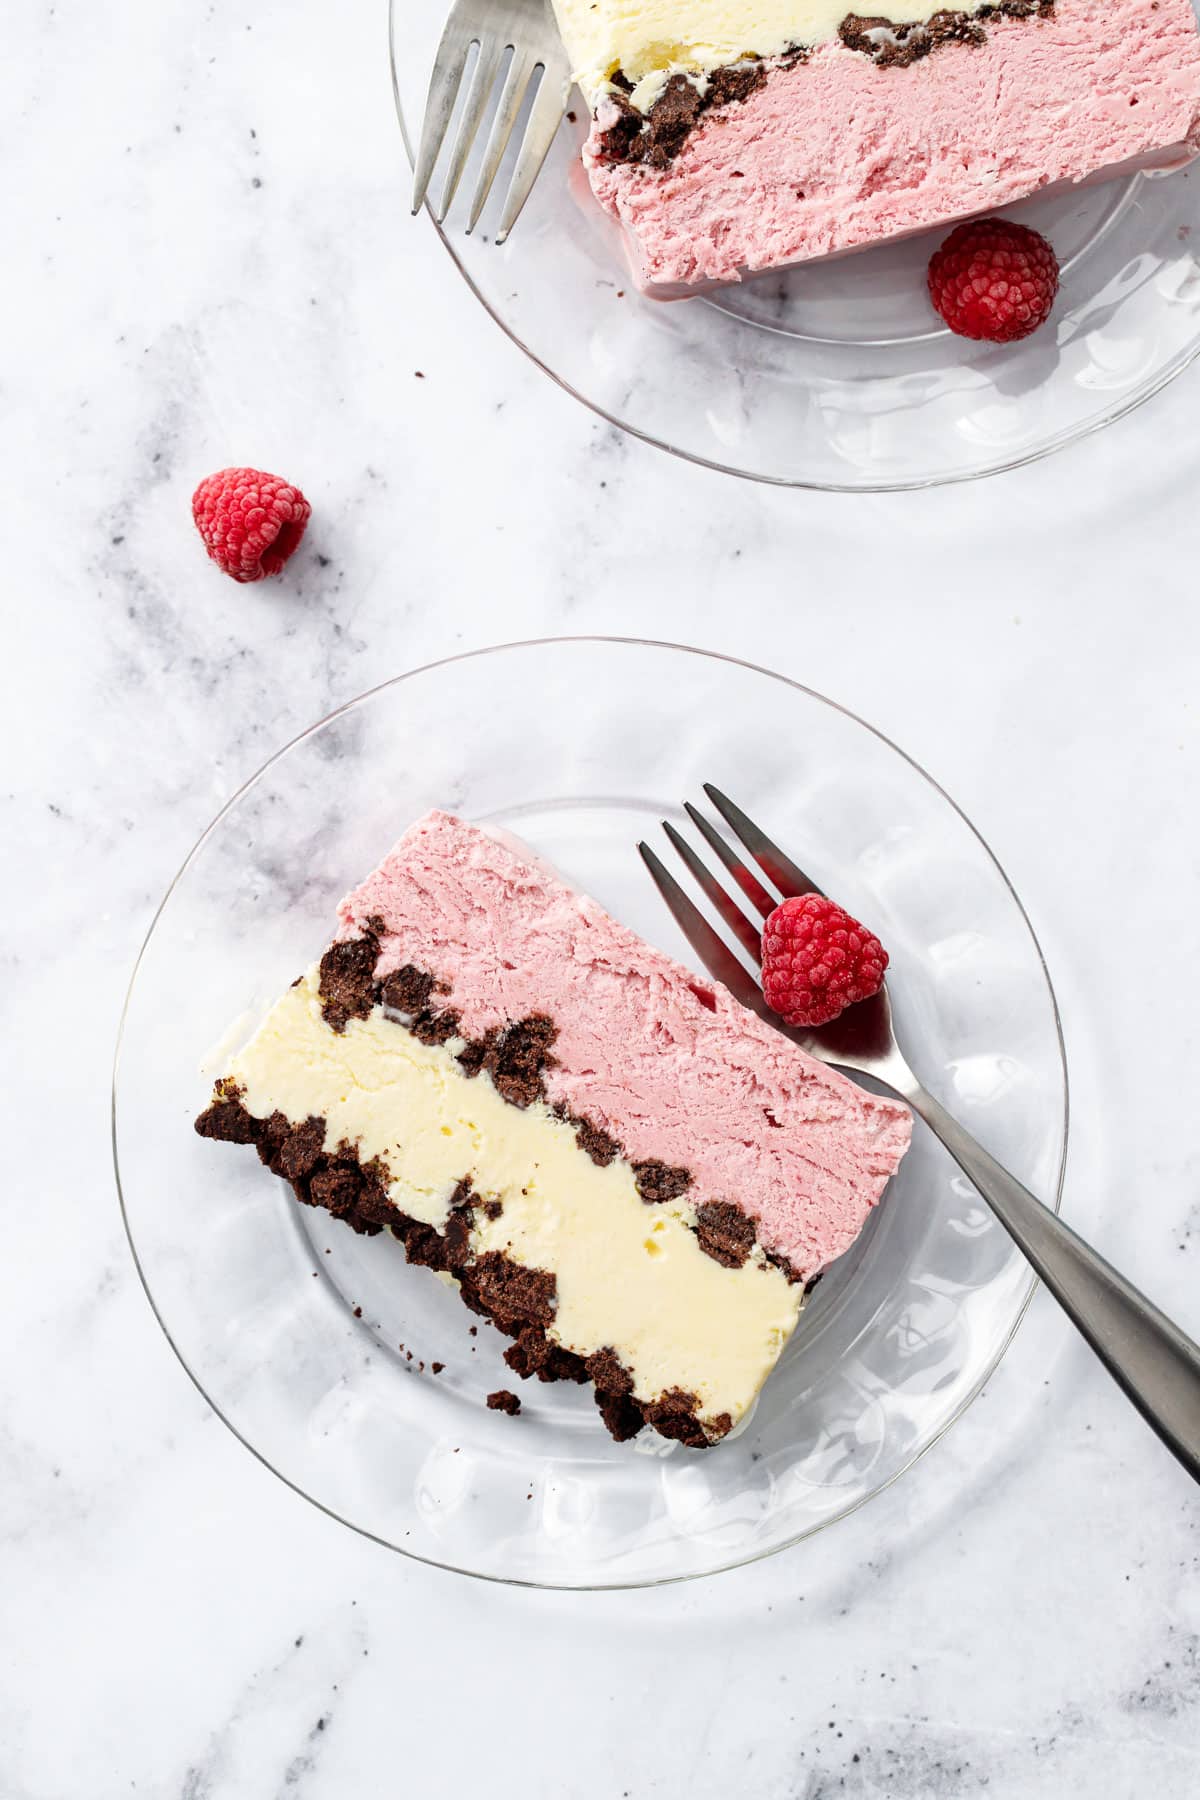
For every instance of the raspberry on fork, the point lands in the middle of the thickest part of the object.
(817, 960)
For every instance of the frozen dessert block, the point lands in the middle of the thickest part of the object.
(632, 1175)
(729, 138)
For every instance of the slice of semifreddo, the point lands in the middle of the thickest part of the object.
(734, 136)
(634, 1177)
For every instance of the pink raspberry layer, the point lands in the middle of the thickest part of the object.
(676, 1070)
(837, 153)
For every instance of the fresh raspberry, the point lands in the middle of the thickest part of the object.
(250, 522)
(993, 279)
(817, 960)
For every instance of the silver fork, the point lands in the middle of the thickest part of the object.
(1156, 1364)
(526, 28)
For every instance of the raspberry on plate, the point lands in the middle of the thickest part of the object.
(994, 280)
(251, 522)
(817, 960)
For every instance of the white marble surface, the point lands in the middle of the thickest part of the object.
(208, 260)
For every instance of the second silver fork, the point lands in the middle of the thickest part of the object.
(524, 32)
(1156, 1363)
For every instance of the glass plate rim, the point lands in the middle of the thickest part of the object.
(637, 643)
(1005, 465)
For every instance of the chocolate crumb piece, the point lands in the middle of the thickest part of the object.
(737, 81)
(622, 1416)
(407, 990)
(227, 1120)
(337, 1189)
(437, 1367)
(592, 1139)
(492, 1209)
(292, 1151)
(473, 1331)
(725, 1233)
(515, 1057)
(347, 980)
(408, 1356)
(571, 120)
(358, 1312)
(509, 1293)
(410, 991)
(658, 1181)
(534, 1354)
(779, 1261)
(436, 1028)
(608, 1374)
(504, 1401)
(673, 1415)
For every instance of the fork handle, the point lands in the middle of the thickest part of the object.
(1157, 1364)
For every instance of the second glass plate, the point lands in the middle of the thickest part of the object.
(838, 375)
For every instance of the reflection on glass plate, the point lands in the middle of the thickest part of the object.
(261, 1299)
(837, 375)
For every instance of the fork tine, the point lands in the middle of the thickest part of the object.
(444, 83)
(540, 132)
(780, 869)
(747, 934)
(516, 80)
(483, 80)
(713, 952)
(749, 883)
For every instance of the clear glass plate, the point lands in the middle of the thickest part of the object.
(838, 375)
(580, 746)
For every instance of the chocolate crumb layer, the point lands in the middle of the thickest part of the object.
(896, 46)
(725, 1233)
(503, 1401)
